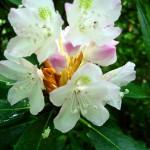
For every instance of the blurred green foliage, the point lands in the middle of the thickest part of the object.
(134, 117)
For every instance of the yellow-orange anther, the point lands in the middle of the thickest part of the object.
(67, 73)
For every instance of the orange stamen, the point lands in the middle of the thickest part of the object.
(53, 80)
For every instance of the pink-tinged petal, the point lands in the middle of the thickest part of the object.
(68, 6)
(58, 62)
(71, 50)
(104, 55)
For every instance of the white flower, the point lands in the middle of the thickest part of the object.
(86, 93)
(92, 21)
(28, 84)
(37, 26)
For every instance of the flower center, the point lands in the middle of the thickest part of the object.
(73, 65)
(44, 13)
(83, 80)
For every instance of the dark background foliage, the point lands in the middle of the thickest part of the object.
(19, 129)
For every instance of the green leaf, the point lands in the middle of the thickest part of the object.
(5, 81)
(10, 114)
(32, 137)
(55, 141)
(10, 135)
(138, 91)
(15, 2)
(110, 137)
(143, 7)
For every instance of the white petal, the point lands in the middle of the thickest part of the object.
(56, 24)
(100, 35)
(76, 37)
(106, 35)
(93, 72)
(38, 3)
(103, 92)
(49, 48)
(36, 100)
(29, 67)
(12, 70)
(20, 91)
(21, 19)
(66, 119)
(60, 95)
(123, 75)
(98, 115)
(73, 13)
(20, 47)
(111, 9)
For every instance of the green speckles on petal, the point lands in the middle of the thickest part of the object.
(83, 80)
(44, 13)
(86, 4)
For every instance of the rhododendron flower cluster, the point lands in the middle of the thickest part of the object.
(70, 59)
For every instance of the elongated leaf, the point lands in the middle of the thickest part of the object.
(111, 137)
(10, 135)
(138, 91)
(10, 114)
(32, 137)
(143, 7)
(15, 2)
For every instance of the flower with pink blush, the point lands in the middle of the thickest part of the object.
(58, 62)
(37, 26)
(104, 55)
(92, 21)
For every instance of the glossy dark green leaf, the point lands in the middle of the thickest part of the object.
(5, 84)
(143, 7)
(10, 135)
(10, 114)
(122, 141)
(32, 137)
(15, 2)
(138, 91)
(55, 141)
